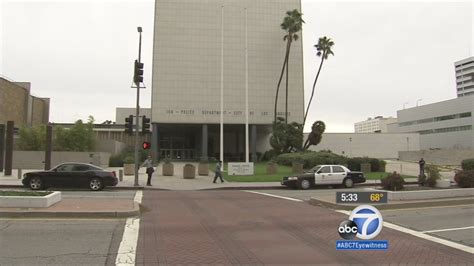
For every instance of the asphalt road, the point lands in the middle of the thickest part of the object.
(419, 219)
(455, 223)
(237, 227)
(59, 242)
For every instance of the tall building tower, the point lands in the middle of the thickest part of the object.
(465, 77)
(186, 81)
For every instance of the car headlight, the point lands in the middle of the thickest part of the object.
(292, 178)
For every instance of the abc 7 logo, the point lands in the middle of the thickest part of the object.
(365, 222)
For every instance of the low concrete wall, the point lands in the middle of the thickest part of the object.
(35, 159)
(30, 201)
(430, 194)
(439, 157)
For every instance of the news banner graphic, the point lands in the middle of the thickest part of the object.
(365, 222)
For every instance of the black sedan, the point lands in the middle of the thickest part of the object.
(71, 175)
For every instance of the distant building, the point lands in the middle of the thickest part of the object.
(442, 125)
(18, 105)
(465, 77)
(377, 124)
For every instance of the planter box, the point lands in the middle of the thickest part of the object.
(272, 168)
(443, 183)
(189, 171)
(30, 201)
(168, 169)
(365, 168)
(297, 168)
(203, 169)
(128, 168)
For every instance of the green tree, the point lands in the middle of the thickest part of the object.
(32, 139)
(323, 48)
(80, 137)
(292, 24)
(286, 137)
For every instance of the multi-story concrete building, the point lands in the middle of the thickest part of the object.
(442, 125)
(465, 77)
(377, 124)
(19, 106)
(186, 80)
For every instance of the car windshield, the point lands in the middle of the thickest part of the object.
(316, 168)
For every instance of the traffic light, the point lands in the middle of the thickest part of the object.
(129, 124)
(138, 72)
(145, 125)
(146, 145)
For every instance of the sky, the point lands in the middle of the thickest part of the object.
(387, 54)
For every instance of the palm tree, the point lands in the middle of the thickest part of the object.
(292, 24)
(324, 50)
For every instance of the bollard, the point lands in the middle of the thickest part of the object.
(19, 173)
(121, 175)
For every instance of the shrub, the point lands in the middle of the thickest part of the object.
(269, 155)
(393, 182)
(433, 175)
(129, 160)
(465, 178)
(310, 158)
(115, 161)
(467, 164)
(376, 165)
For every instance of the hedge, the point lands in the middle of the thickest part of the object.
(312, 158)
(465, 178)
(467, 164)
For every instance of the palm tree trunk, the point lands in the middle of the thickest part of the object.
(312, 92)
(287, 66)
(279, 82)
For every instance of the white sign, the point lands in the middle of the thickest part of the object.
(240, 168)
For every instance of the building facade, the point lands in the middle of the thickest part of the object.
(465, 77)
(377, 124)
(18, 105)
(193, 42)
(442, 125)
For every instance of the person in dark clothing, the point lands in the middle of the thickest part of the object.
(148, 164)
(422, 167)
(218, 172)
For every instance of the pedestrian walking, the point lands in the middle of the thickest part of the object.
(421, 162)
(148, 163)
(218, 172)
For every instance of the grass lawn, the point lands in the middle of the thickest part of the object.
(259, 176)
(380, 175)
(24, 193)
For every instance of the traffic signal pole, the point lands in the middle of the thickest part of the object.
(138, 109)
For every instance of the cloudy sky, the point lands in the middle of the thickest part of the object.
(387, 53)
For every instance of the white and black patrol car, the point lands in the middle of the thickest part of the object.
(324, 175)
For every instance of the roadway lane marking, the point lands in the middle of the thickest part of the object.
(271, 195)
(127, 251)
(422, 235)
(449, 229)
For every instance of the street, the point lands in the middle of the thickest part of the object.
(230, 227)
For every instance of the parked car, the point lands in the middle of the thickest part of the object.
(324, 175)
(71, 175)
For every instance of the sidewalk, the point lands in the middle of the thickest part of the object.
(176, 182)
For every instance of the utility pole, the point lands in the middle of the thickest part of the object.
(137, 79)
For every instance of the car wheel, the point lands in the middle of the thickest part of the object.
(36, 183)
(348, 183)
(96, 184)
(304, 184)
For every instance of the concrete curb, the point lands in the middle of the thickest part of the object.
(72, 214)
(244, 188)
(401, 205)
